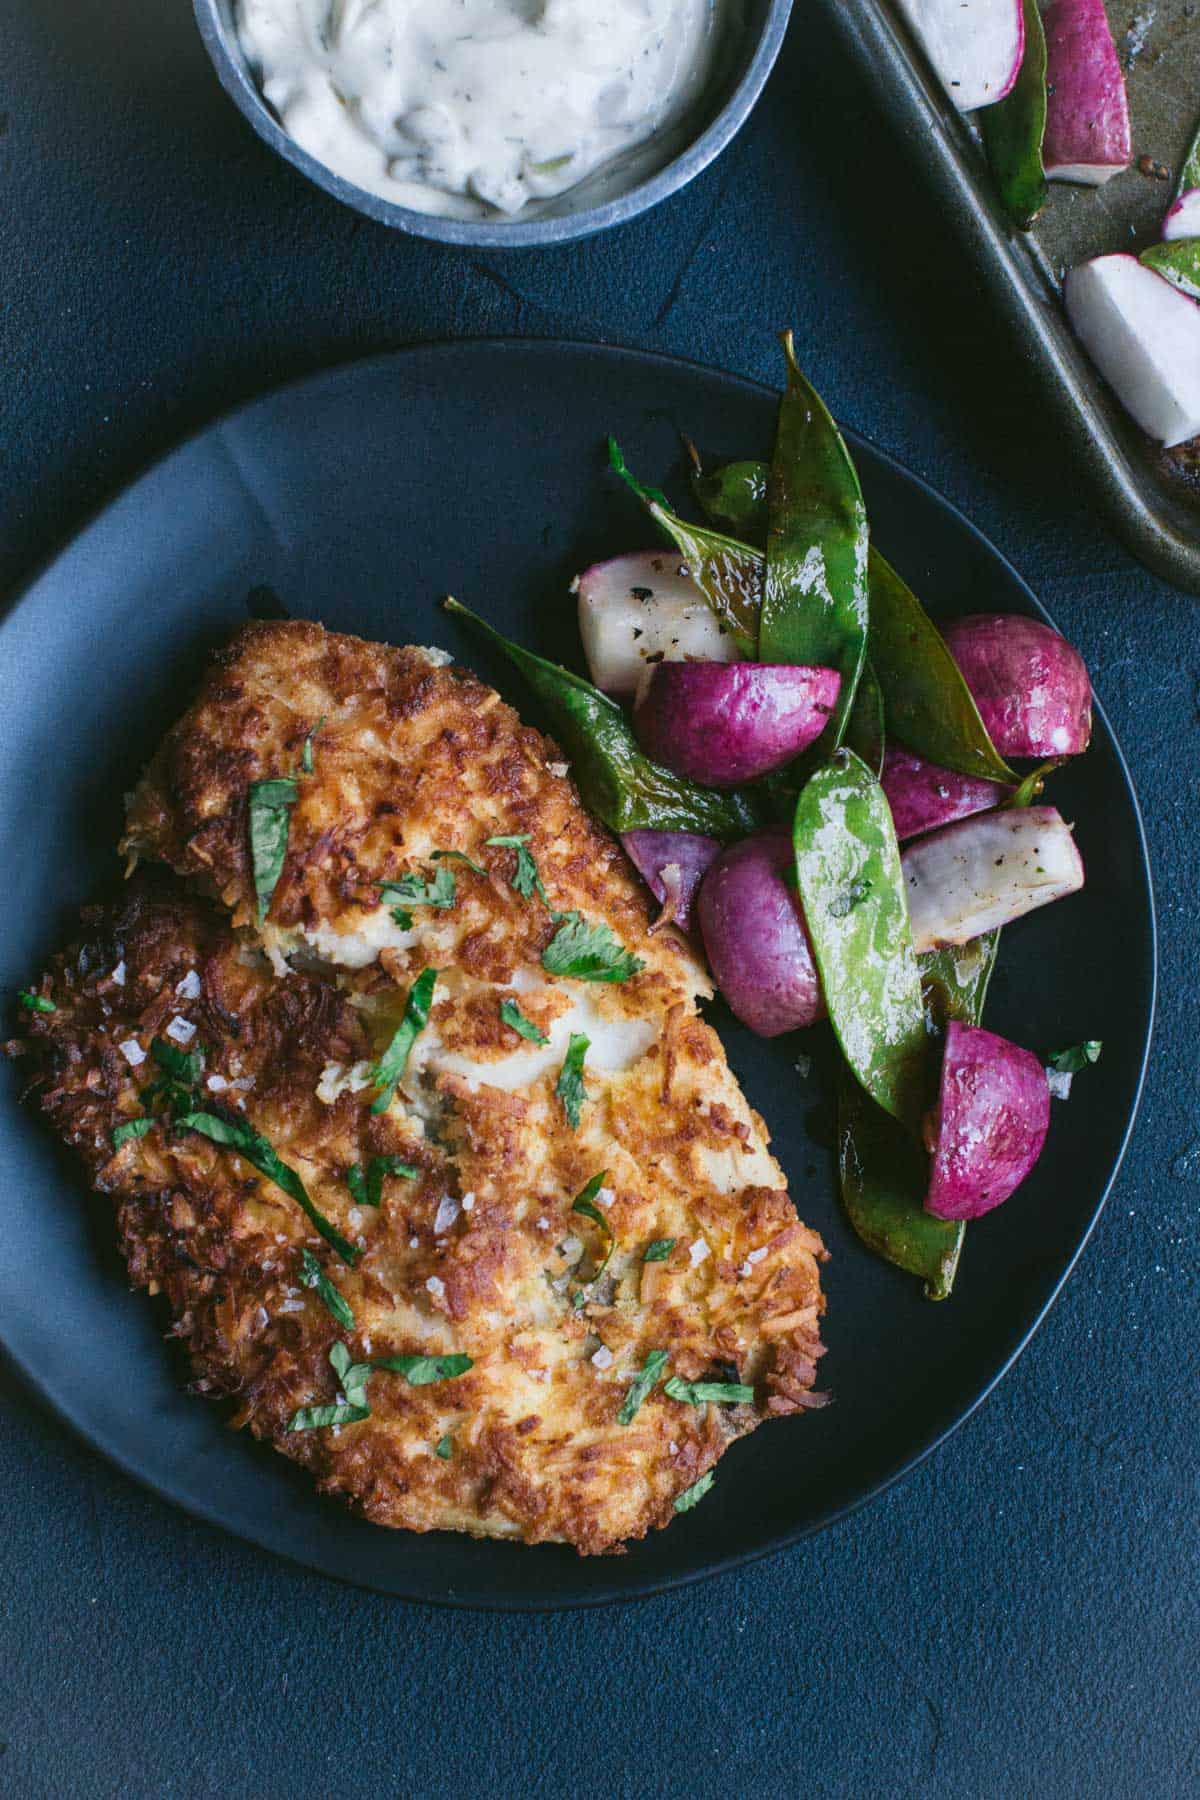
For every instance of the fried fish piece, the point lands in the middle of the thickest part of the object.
(686, 1258)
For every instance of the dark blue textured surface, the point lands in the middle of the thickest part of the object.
(1020, 1616)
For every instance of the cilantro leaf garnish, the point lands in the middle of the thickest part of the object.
(312, 1275)
(367, 1186)
(236, 1134)
(306, 755)
(525, 877)
(585, 1203)
(652, 1368)
(1070, 1062)
(441, 891)
(271, 804)
(690, 1496)
(588, 952)
(659, 1250)
(445, 1448)
(700, 1393)
(132, 1128)
(458, 856)
(392, 1064)
(352, 1378)
(512, 1015)
(184, 1066)
(569, 1087)
(421, 1371)
(35, 1002)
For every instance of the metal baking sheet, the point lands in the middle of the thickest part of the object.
(1152, 496)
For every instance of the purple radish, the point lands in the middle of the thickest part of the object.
(1183, 219)
(989, 1125)
(976, 46)
(985, 871)
(754, 936)
(923, 796)
(1087, 136)
(1030, 685)
(636, 610)
(722, 724)
(672, 864)
(1144, 337)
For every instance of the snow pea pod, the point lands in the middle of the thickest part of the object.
(815, 595)
(927, 704)
(1177, 262)
(1189, 174)
(728, 574)
(1014, 127)
(865, 725)
(884, 1173)
(618, 783)
(852, 891)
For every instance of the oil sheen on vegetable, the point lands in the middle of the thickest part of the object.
(477, 108)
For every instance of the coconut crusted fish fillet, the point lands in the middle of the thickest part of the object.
(481, 1255)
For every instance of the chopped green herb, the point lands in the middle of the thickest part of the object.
(306, 755)
(659, 1250)
(845, 903)
(236, 1134)
(512, 1015)
(569, 1087)
(271, 804)
(312, 1275)
(441, 891)
(652, 1368)
(403, 919)
(353, 1378)
(394, 1061)
(585, 1203)
(421, 1371)
(1069, 1062)
(457, 856)
(588, 952)
(700, 1393)
(525, 877)
(367, 1187)
(691, 1496)
(445, 1448)
(552, 164)
(35, 1002)
(185, 1066)
(132, 1128)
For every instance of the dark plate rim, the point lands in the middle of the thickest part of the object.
(954, 1416)
(483, 234)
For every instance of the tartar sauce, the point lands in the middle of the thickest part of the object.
(477, 108)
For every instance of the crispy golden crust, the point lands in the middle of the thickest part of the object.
(482, 1255)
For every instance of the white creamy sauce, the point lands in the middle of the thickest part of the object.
(477, 108)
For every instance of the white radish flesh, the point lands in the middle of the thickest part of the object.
(1183, 219)
(639, 610)
(1144, 336)
(1088, 137)
(986, 871)
(976, 46)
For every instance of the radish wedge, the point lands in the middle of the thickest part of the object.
(722, 725)
(637, 608)
(1183, 218)
(1088, 137)
(986, 871)
(1030, 685)
(1144, 337)
(923, 796)
(672, 864)
(1178, 263)
(992, 1115)
(975, 45)
(755, 939)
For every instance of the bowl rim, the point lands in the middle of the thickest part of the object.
(235, 77)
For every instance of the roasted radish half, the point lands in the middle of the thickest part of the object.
(989, 1125)
(754, 935)
(986, 871)
(722, 724)
(1030, 685)
(639, 610)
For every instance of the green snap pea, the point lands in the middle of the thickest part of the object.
(618, 783)
(1177, 262)
(1013, 130)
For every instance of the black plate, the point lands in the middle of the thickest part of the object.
(359, 497)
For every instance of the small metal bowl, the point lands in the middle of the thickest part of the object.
(754, 35)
